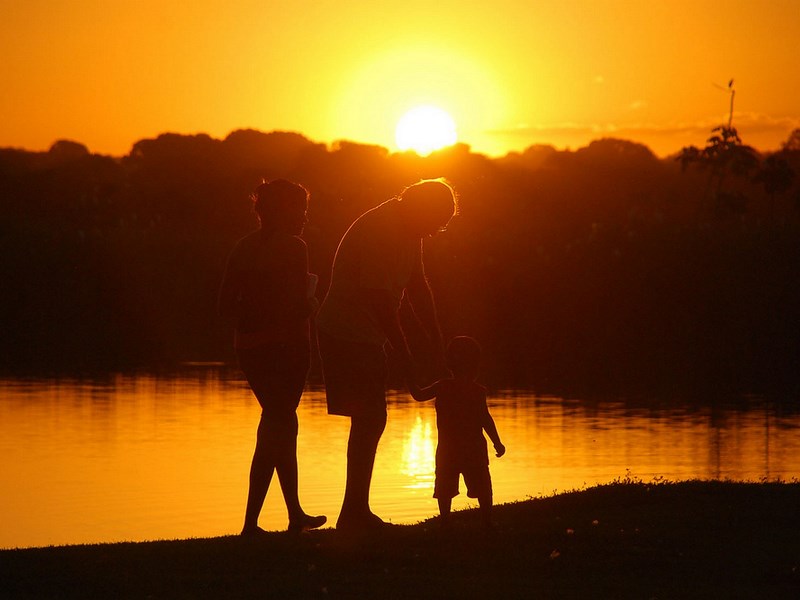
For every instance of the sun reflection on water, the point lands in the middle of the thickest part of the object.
(142, 457)
(419, 453)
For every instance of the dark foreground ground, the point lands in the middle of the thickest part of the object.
(623, 540)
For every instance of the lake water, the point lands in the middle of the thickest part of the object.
(132, 458)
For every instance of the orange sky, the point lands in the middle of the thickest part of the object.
(511, 72)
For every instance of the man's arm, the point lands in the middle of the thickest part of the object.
(384, 307)
(421, 297)
(421, 394)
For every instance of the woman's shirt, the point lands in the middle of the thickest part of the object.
(265, 288)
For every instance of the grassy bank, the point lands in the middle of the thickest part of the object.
(623, 540)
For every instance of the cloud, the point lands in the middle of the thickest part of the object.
(759, 130)
(744, 122)
(757, 122)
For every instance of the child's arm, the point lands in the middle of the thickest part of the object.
(491, 429)
(421, 394)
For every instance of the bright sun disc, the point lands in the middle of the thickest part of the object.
(424, 129)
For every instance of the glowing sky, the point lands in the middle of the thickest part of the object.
(510, 72)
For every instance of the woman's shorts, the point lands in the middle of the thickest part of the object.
(276, 374)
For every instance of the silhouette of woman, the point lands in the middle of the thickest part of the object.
(268, 289)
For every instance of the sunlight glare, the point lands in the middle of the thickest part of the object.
(424, 129)
(419, 453)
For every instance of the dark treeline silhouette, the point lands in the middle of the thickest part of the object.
(586, 270)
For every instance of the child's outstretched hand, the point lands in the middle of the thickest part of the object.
(500, 450)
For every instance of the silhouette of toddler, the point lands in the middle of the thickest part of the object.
(461, 418)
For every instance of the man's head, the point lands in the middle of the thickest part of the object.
(428, 206)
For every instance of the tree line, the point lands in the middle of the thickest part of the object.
(595, 269)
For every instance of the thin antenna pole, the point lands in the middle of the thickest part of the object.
(733, 93)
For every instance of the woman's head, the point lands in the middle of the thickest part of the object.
(281, 205)
(428, 206)
(463, 356)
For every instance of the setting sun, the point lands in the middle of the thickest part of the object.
(424, 129)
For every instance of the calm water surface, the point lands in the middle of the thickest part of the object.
(141, 457)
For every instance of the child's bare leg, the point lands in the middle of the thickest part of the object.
(444, 508)
(485, 503)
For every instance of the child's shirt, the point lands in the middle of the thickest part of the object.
(461, 413)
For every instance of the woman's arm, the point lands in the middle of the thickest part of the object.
(230, 288)
(295, 254)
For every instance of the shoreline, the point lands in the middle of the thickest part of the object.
(626, 539)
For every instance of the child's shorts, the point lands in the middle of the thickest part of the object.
(476, 478)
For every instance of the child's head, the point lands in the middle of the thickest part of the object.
(463, 356)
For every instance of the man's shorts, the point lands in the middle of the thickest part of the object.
(476, 478)
(355, 377)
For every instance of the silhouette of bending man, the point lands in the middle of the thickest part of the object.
(269, 291)
(378, 261)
